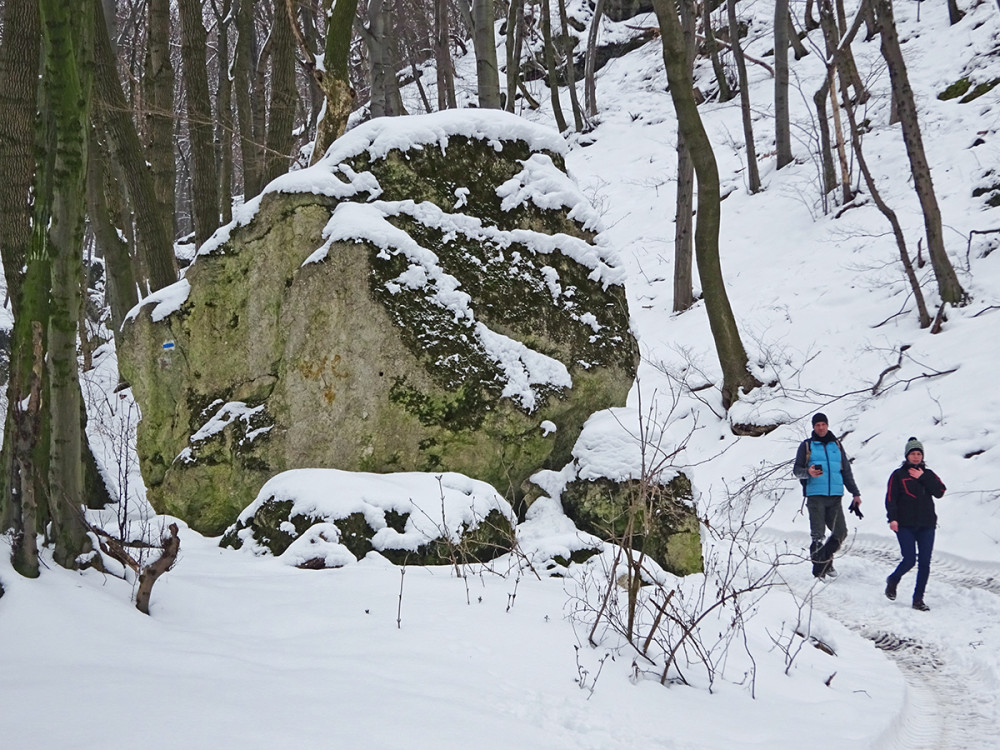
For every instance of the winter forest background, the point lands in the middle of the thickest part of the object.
(802, 198)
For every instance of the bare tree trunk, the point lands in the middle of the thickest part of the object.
(795, 40)
(948, 285)
(19, 54)
(589, 86)
(732, 356)
(158, 85)
(484, 42)
(782, 125)
(282, 95)
(204, 175)
(442, 55)
(712, 48)
(154, 240)
(954, 13)
(684, 207)
(753, 172)
(120, 278)
(897, 231)
(247, 105)
(567, 45)
(847, 193)
(550, 66)
(512, 45)
(224, 114)
(385, 98)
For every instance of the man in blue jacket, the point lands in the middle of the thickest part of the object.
(822, 466)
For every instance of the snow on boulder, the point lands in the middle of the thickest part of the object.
(433, 295)
(326, 518)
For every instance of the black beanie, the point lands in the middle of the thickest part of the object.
(820, 417)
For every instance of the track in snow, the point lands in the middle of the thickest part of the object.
(949, 657)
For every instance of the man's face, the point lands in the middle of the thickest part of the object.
(821, 428)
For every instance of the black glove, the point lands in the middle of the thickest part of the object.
(855, 509)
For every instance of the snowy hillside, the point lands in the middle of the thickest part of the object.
(247, 652)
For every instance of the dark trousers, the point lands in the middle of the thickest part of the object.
(915, 544)
(826, 512)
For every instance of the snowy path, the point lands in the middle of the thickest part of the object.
(949, 657)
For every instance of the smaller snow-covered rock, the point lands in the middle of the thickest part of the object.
(326, 518)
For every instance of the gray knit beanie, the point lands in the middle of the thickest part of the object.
(913, 445)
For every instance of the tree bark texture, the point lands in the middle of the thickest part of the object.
(158, 83)
(948, 285)
(19, 54)
(282, 96)
(247, 102)
(224, 119)
(154, 241)
(712, 48)
(442, 54)
(204, 175)
(732, 355)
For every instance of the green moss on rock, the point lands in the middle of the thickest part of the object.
(668, 527)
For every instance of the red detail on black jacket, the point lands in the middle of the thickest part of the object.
(909, 501)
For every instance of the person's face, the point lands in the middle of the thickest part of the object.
(915, 457)
(821, 428)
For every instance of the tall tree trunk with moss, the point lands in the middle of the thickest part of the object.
(753, 172)
(484, 42)
(204, 175)
(67, 80)
(732, 355)
(335, 80)
(684, 208)
(948, 285)
(158, 84)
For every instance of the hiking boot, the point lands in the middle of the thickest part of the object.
(919, 604)
(830, 572)
(890, 589)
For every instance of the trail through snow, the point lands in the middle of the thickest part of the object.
(952, 672)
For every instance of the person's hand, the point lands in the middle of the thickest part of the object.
(894, 525)
(815, 472)
(916, 472)
(855, 506)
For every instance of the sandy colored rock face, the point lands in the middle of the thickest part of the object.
(352, 363)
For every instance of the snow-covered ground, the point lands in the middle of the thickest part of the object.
(244, 652)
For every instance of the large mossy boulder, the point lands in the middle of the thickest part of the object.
(430, 296)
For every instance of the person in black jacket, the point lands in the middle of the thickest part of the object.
(909, 506)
